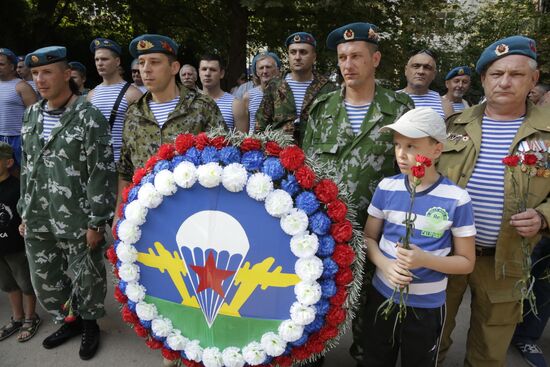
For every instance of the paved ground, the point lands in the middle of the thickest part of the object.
(121, 347)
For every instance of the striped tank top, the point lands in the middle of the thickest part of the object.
(104, 99)
(11, 108)
(225, 104)
(431, 99)
(161, 111)
(255, 96)
(356, 115)
(299, 91)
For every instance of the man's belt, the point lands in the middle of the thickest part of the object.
(485, 251)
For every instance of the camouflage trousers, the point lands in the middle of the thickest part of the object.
(54, 264)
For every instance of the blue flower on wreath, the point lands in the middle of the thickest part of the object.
(148, 178)
(160, 165)
(176, 160)
(322, 307)
(330, 268)
(315, 325)
(252, 160)
(122, 286)
(230, 155)
(159, 338)
(290, 185)
(132, 195)
(328, 288)
(272, 167)
(183, 355)
(303, 339)
(145, 323)
(193, 155)
(307, 201)
(132, 306)
(326, 246)
(320, 223)
(210, 154)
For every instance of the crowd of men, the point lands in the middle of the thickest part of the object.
(77, 150)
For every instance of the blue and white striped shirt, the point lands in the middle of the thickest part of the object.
(162, 110)
(356, 115)
(11, 108)
(298, 91)
(486, 185)
(48, 124)
(431, 99)
(104, 99)
(225, 104)
(458, 106)
(442, 211)
(255, 96)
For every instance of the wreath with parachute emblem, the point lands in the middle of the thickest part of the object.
(234, 251)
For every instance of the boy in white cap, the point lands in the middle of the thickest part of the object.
(442, 242)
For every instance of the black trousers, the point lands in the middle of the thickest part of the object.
(417, 337)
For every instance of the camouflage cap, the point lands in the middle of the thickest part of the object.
(6, 151)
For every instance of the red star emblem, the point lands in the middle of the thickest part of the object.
(210, 276)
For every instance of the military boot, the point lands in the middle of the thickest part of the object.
(90, 339)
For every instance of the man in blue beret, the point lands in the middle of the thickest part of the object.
(114, 94)
(287, 99)
(343, 130)
(136, 76)
(25, 73)
(78, 75)
(478, 139)
(67, 198)
(15, 96)
(458, 82)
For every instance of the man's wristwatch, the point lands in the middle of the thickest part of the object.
(99, 229)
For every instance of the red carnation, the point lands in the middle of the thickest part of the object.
(113, 231)
(115, 272)
(340, 297)
(326, 191)
(315, 344)
(70, 318)
(202, 141)
(166, 151)
(190, 363)
(153, 343)
(170, 355)
(138, 175)
(301, 353)
(328, 332)
(272, 148)
(125, 193)
(282, 361)
(219, 142)
(336, 316)
(150, 164)
(511, 160)
(184, 142)
(343, 277)
(129, 316)
(529, 159)
(119, 296)
(337, 210)
(111, 255)
(342, 231)
(418, 171)
(343, 255)
(249, 144)
(140, 330)
(120, 210)
(423, 160)
(305, 177)
(292, 157)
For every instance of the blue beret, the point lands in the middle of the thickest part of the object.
(9, 54)
(75, 65)
(353, 32)
(270, 54)
(153, 43)
(20, 58)
(515, 45)
(458, 71)
(45, 56)
(105, 43)
(301, 37)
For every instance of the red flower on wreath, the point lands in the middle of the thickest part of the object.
(305, 177)
(340, 297)
(126, 192)
(343, 255)
(249, 144)
(326, 191)
(341, 231)
(202, 141)
(337, 210)
(166, 151)
(328, 332)
(138, 175)
(529, 159)
(343, 277)
(184, 142)
(272, 148)
(315, 344)
(170, 355)
(282, 361)
(511, 160)
(150, 164)
(111, 255)
(301, 353)
(189, 363)
(154, 343)
(129, 316)
(219, 142)
(119, 296)
(292, 158)
(335, 316)
(140, 330)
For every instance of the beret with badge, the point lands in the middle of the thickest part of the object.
(45, 56)
(301, 37)
(9, 54)
(99, 43)
(153, 43)
(353, 32)
(514, 45)
(77, 66)
(458, 71)
(268, 53)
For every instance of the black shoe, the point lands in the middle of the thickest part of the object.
(90, 339)
(64, 333)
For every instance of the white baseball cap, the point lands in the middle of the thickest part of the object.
(419, 123)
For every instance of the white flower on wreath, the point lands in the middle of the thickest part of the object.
(304, 245)
(161, 327)
(185, 174)
(128, 232)
(210, 174)
(309, 268)
(135, 292)
(273, 345)
(278, 203)
(128, 272)
(232, 357)
(126, 253)
(193, 350)
(146, 311)
(290, 331)
(176, 341)
(165, 183)
(308, 293)
(135, 213)
(295, 222)
(259, 186)
(212, 357)
(301, 314)
(148, 196)
(234, 177)
(253, 354)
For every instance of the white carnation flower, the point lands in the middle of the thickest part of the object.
(161, 327)
(308, 293)
(289, 331)
(210, 174)
(253, 354)
(301, 314)
(176, 341)
(295, 222)
(128, 272)
(304, 245)
(193, 351)
(135, 213)
(148, 196)
(259, 186)
(309, 268)
(185, 174)
(146, 311)
(165, 183)
(135, 292)
(234, 177)
(273, 344)
(126, 253)
(212, 357)
(278, 203)
(232, 357)
(128, 232)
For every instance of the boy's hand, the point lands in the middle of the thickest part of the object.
(410, 259)
(396, 275)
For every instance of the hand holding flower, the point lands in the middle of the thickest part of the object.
(397, 275)
(527, 223)
(412, 258)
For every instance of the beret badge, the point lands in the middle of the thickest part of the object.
(349, 34)
(502, 49)
(460, 71)
(166, 46)
(144, 45)
(532, 46)
(34, 59)
(297, 38)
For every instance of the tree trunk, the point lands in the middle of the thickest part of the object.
(236, 60)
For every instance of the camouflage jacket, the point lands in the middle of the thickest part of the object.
(68, 183)
(278, 108)
(361, 160)
(142, 136)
